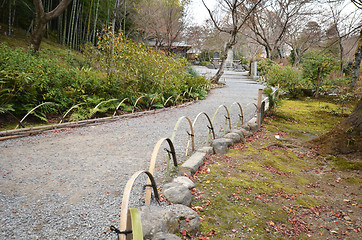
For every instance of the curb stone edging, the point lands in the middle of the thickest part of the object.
(184, 184)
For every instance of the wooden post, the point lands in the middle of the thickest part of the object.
(258, 115)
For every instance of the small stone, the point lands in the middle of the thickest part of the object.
(187, 218)
(165, 236)
(157, 219)
(253, 126)
(221, 145)
(234, 137)
(246, 133)
(245, 127)
(206, 149)
(194, 162)
(177, 193)
(184, 181)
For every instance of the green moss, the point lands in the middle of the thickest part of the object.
(353, 180)
(307, 201)
(346, 165)
(250, 187)
(303, 181)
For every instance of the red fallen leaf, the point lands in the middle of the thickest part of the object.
(233, 230)
(83, 214)
(14, 211)
(271, 223)
(187, 219)
(184, 232)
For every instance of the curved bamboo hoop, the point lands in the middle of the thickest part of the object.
(125, 221)
(241, 116)
(191, 134)
(228, 116)
(184, 93)
(156, 149)
(177, 99)
(21, 121)
(251, 104)
(153, 99)
(168, 99)
(115, 111)
(96, 107)
(190, 91)
(211, 129)
(134, 106)
(70, 109)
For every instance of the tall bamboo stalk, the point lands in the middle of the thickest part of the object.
(95, 23)
(89, 19)
(72, 23)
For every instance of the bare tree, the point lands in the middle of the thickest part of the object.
(237, 12)
(271, 22)
(163, 21)
(42, 18)
(301, 40)
(343, 25)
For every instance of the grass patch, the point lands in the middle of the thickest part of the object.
(263, 190)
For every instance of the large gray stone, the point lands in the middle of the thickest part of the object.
(187, 218)
(221, 145)
(165, 236)
(184, 181)
(177, 193)
(157, 219)
(194, 162)
(233, 136)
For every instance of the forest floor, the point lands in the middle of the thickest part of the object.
(277, 186)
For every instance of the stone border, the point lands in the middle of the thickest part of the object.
(178, 191)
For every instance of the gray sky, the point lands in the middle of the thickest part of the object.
(199, 12)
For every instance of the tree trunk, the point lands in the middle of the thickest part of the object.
(42, 18)
(37, 34)
(357, 61)
(215, 79)
(345, 137)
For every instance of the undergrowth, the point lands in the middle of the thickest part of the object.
(66, 78)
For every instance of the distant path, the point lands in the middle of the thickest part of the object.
(68, 184)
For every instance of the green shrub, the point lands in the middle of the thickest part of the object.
(316, 68)
(129, 70)
(264, 65)
(287, 77)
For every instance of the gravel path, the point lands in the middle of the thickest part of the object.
(68, 184)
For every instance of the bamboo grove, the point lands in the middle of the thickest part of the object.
(77, 25)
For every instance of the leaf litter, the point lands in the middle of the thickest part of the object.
(284, 191)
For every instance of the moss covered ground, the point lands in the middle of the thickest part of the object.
(274, 187)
